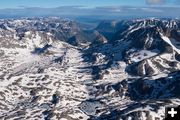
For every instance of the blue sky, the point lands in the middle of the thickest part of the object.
(87, 3)
(101, 8)
(57, 3)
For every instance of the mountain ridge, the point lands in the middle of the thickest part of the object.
(52, 68)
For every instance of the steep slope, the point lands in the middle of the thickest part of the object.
(143, 50)
(150, 45)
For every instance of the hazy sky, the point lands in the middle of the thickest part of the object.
(87, 3)
(106, 8)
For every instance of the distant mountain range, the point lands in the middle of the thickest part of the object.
(83, 13)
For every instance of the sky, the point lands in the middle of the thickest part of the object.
(101, 8)
(85, 3)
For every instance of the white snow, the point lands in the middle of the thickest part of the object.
(172, 43)
(143, 54)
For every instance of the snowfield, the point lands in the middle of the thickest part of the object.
(51, 70)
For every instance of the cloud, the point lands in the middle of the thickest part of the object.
(155, 2)
(152, 10)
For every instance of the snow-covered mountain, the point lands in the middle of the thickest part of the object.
(53, 69)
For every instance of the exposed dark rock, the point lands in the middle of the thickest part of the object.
(55, 99)
(177, 56)
(41, 50)
(48, 114)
